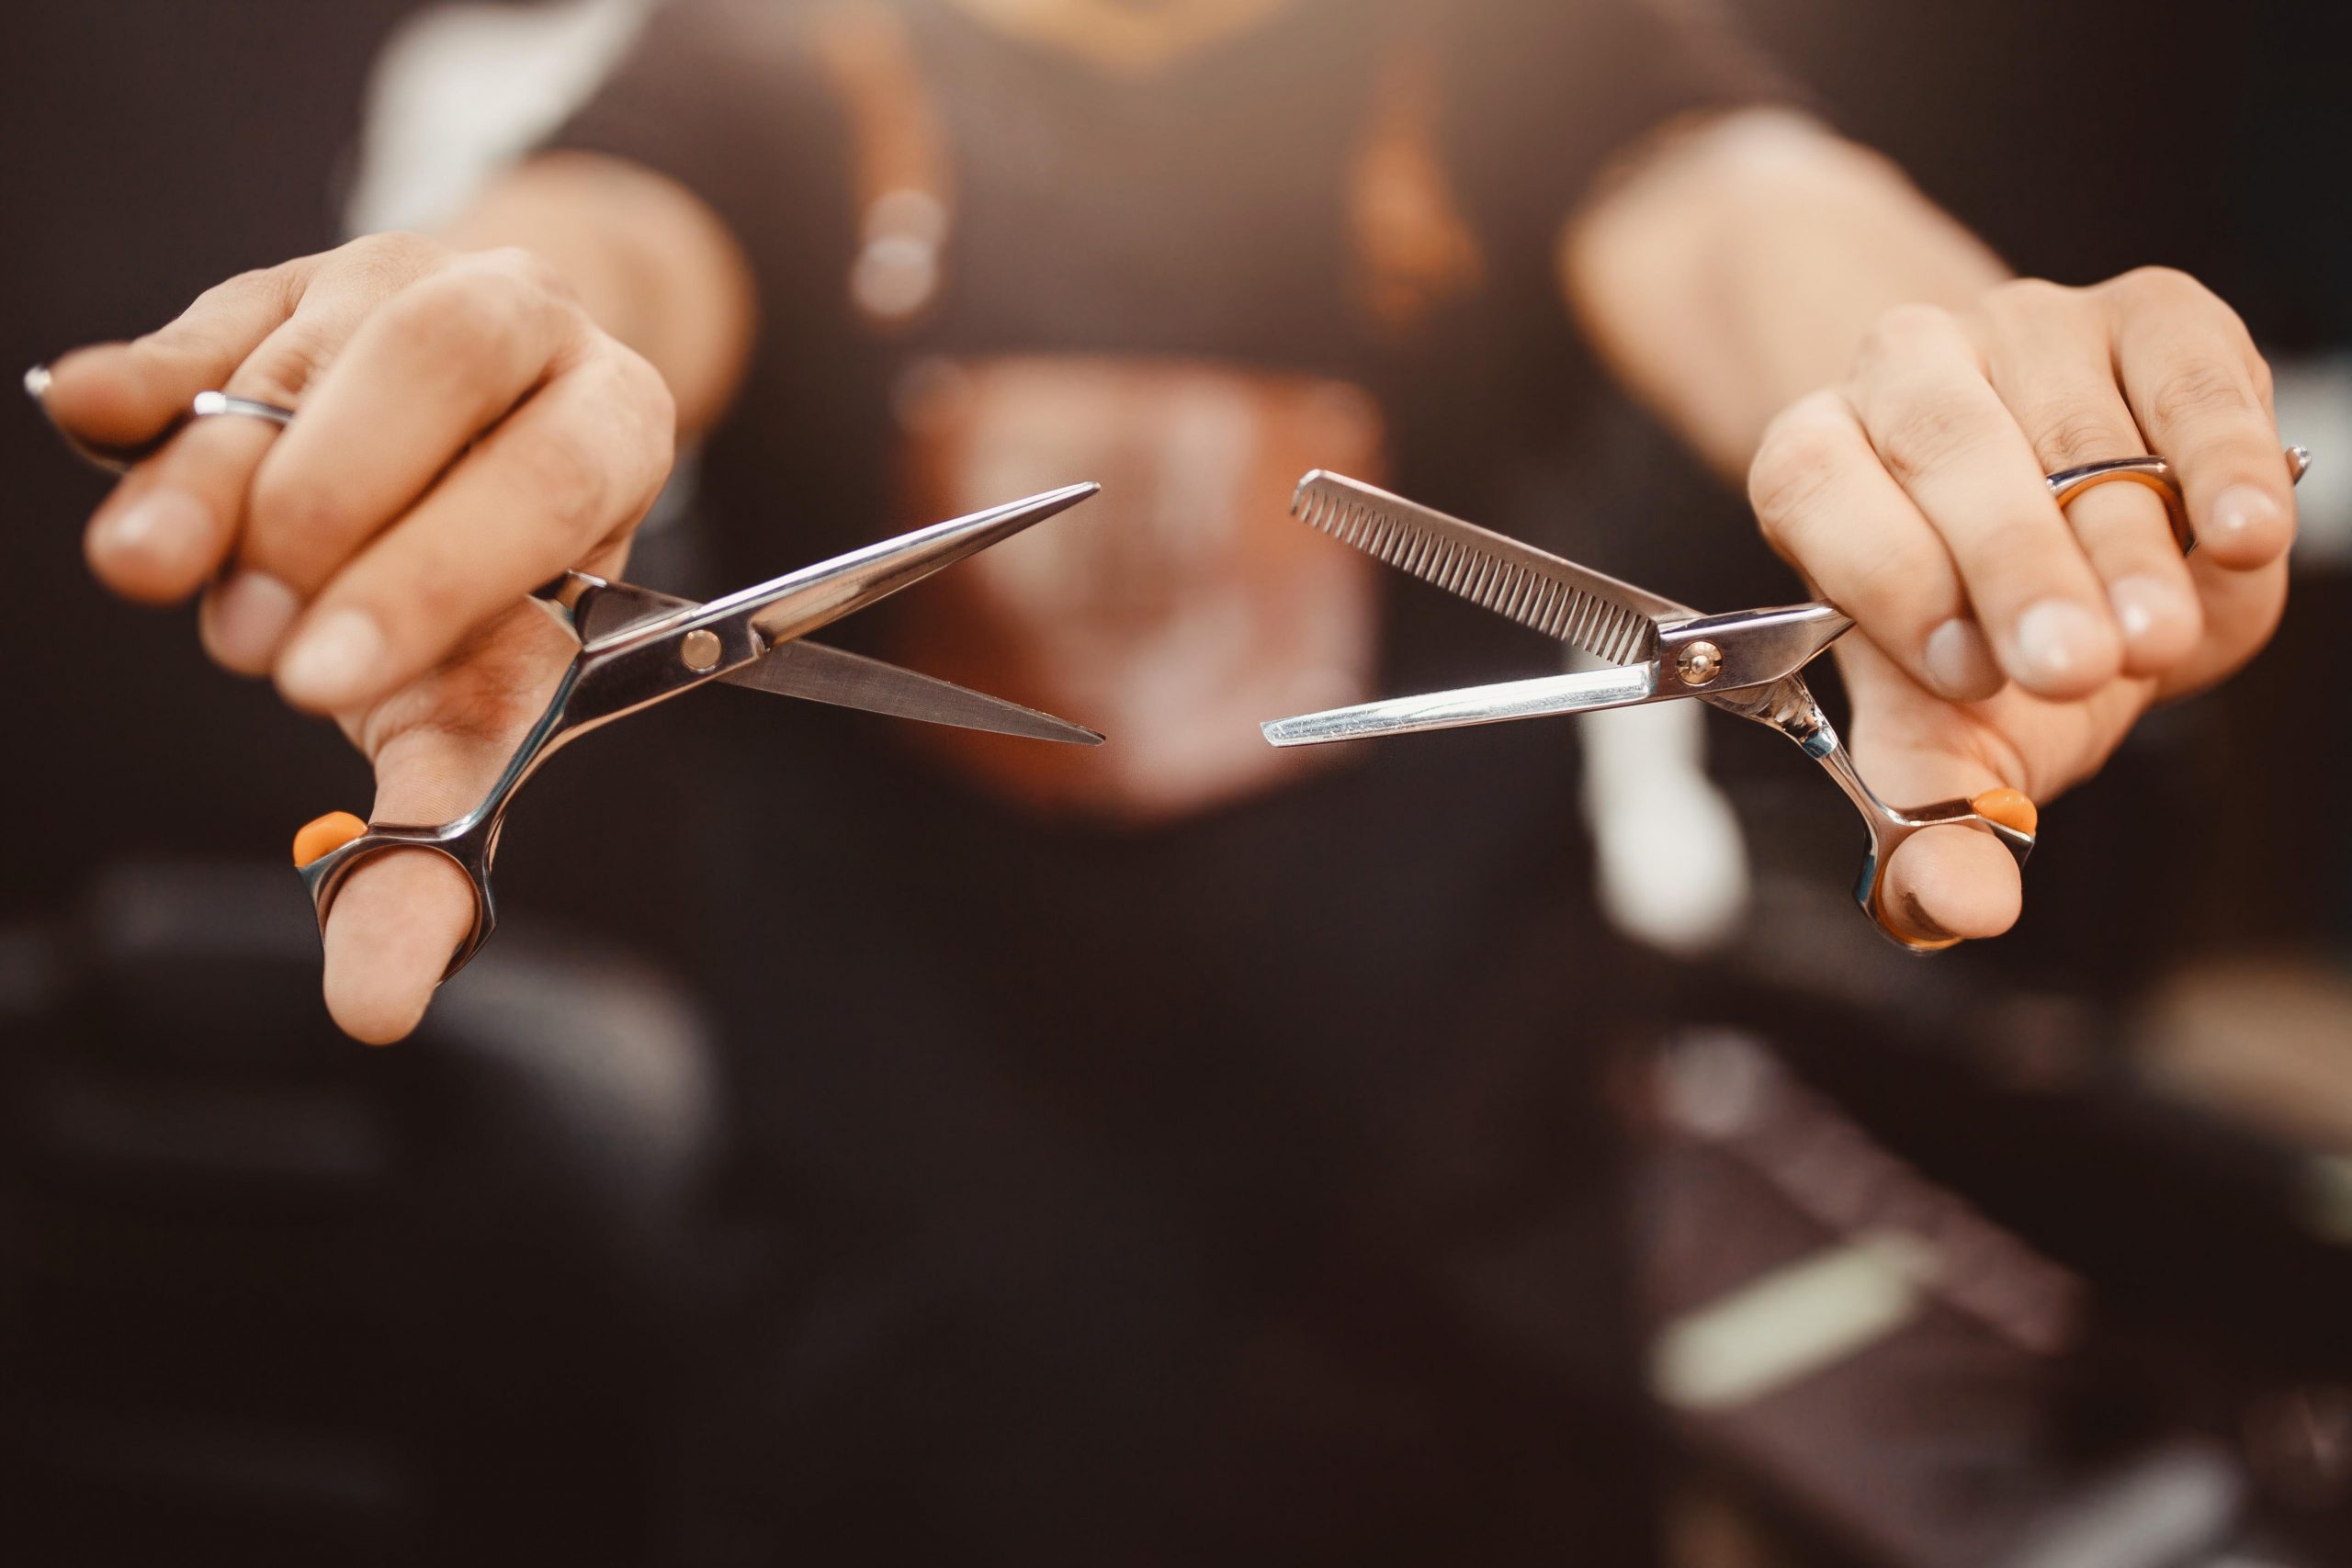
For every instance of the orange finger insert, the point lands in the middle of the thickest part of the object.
(322, 835)
(2009, 808)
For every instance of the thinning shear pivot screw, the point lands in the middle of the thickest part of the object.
(1698, 663)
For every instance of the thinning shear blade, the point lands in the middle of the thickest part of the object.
(1748, 663)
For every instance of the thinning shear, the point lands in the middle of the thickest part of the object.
(639, 647)
(1746, 663)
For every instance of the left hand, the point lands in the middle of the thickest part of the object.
(2007, 642)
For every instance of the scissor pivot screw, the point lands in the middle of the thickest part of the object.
(1698, 663)
(699, 649)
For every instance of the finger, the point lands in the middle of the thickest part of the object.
(1944, 882)
(124, 393)
(1946, 436)
(1831, 509)
(167, 526)
(163, 529)
(571, 468)
(417, 380)
(174, 519)
(387, 941)
(1951, 882)
(2049, 361)
(2242, 609)
(2201, 393)
(437, 744)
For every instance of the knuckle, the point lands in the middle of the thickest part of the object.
(1906, 330)
(394, 257)
(256, 280)
(2200, 391)
(471, 318)
(569, 482)
(2025, 301)
(654, 413)
(1795, 463)
(1925, 434)
(292, 357)
(2070, 434)
(2163, 285)
(529, 267)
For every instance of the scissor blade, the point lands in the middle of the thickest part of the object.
(801, 602)
(1611, 620)
(604, 612)
(1582, 691)
(823, 674)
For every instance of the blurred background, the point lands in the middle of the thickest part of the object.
(268, 1296)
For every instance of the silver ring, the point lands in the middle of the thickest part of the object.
(2146, 469)
(2156, 474)
(208, 404)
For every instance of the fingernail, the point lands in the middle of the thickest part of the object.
(334, 661)
(37, 383)
(2241, 510)
(1960, 662)
(245, 619)
(2149, 607)
(158, 529)
(2058, 637)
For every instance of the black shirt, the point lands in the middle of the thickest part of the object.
(1232, 1190)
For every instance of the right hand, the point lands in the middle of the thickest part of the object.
(464, 433)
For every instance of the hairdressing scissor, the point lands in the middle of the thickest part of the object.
(1746, 663)
(639, 647)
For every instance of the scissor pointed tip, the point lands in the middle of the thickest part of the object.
(998, 521)
(1283, 732)
(1044, 503)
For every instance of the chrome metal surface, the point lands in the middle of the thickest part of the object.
(815, 672)
(1698, 663)
(819, 674)
(640, 648)
(211, 405)
(816, 597)
(1747, 664)
(2154, 472)
(1751, 648)
(1583, 690)
(1611, 620)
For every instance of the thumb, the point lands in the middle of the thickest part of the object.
(438, 745)
(1958, 881)
(1916, 749)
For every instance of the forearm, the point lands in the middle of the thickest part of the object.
(1737, 265)
(647, 260)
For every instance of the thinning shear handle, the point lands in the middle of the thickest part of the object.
(2006, 814)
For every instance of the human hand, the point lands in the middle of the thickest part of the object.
(2006, 642)
(465, 433)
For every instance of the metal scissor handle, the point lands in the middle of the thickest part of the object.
(639, 647)
(330, 848)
